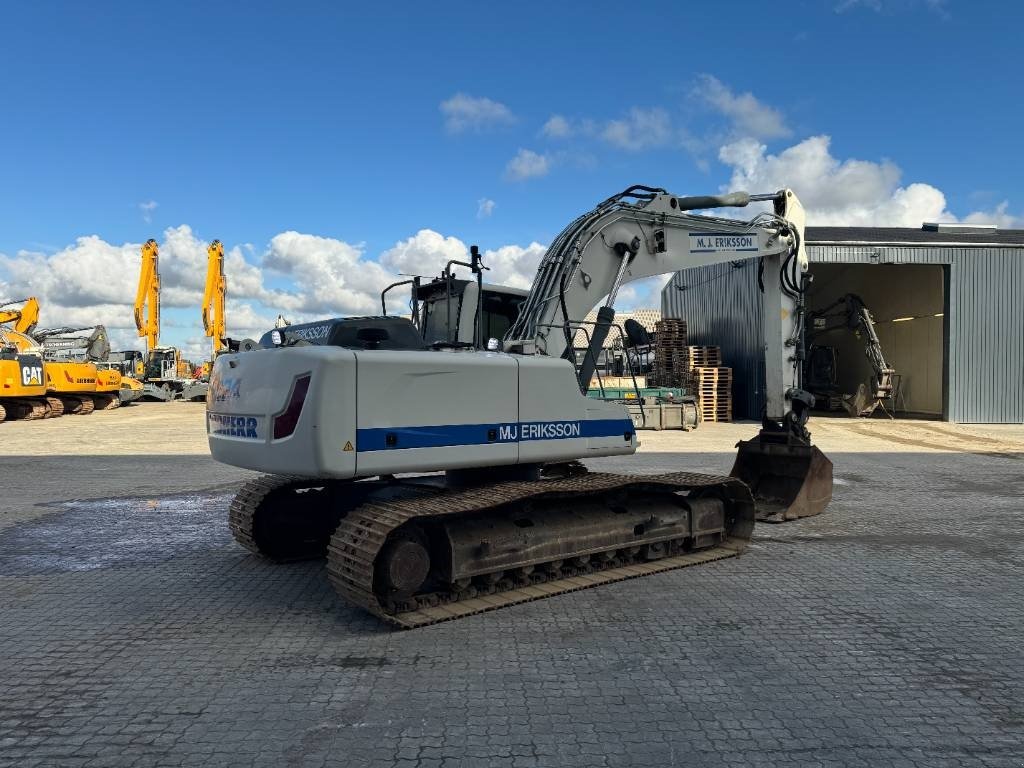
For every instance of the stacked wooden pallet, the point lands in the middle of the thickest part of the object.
(713, 387)
(671, 354)
(704, 357)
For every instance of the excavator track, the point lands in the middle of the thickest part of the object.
(75, 406)
(28, 410)
(104, 402)
(56, 407)
(268, 518)
(3, 414)
(368, 533)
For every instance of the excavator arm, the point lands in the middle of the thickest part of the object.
(214, 296)
(25, 317)
(147, 298)
(89, 343)
(854, 316)
(646, 231)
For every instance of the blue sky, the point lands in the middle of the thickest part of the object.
(359, 126)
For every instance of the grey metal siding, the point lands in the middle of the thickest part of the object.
(987, 337)
(722, 307)
(985, 321)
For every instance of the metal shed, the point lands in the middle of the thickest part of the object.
(979, 329)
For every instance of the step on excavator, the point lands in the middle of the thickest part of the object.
(22, 376)
(348, 416)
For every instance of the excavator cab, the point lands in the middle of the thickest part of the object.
(447, 311)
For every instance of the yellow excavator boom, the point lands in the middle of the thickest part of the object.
(214, 295)
(147, 299)
(25, 318)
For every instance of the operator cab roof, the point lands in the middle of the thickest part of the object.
(436, 287)
(352, 333)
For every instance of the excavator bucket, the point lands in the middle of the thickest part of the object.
(788, 481)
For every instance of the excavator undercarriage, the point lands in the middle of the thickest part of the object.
(418, 551)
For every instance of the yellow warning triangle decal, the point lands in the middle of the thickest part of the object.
(348, 446)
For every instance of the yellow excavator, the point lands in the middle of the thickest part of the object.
(72, 355)
(168, 376)
(22, 376)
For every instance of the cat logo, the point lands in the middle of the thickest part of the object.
(348, 446)
(31, 375)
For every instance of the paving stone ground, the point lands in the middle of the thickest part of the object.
(889, 631)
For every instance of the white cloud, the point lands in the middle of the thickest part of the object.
(485, 207)
(147, 209)
(846, 5)
(557, 127)
(844, 192)
(94, 282)
(330, 277)
(998, 216)
(427, 252)
(749, 116)
(938, 7)
(835, 192)
(641, 129)
(463, 112)
(527, 164)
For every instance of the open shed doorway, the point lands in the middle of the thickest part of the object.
(907, 303)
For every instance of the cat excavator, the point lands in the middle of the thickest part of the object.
(22, 376)
(345, 417)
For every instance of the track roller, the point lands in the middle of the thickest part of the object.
(417, 561)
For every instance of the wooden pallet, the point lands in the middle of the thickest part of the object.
(713, 387)
(704, 357)
(720, 416)
(671, 367)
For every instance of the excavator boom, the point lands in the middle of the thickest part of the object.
(214, 293)
(147, 298)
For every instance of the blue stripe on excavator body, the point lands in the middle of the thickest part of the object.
(447, 435)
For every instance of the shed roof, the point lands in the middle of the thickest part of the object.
(909, 236)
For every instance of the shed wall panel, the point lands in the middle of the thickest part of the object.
(985, 321)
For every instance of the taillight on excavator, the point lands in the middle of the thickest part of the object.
(284, 422)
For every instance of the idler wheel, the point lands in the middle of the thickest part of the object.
(404, 565)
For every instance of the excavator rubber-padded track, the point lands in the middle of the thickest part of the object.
(788, 481)
(448, 553)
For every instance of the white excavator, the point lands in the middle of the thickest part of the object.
(444, 479)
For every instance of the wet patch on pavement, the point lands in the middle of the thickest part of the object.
(107, 533)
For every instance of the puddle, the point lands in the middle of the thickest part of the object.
(114, 532)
